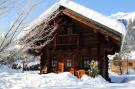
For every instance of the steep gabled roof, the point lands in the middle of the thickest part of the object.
(95, 16)
(113, 24)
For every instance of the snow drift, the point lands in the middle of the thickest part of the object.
(15, 79)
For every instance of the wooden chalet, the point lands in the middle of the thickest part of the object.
(79, 39)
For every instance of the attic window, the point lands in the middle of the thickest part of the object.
(70, 30)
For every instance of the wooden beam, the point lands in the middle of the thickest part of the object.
(90, 24)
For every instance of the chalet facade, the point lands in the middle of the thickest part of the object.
(80, 37)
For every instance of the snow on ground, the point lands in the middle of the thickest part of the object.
(15, 79)
(122, 78)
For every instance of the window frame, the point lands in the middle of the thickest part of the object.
(69, 62)
(54, 61)
(86, 61)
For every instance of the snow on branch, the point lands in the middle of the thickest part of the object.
(9, 39)
(6, 5)
(42, 34)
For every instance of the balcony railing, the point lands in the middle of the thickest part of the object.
(72, 39)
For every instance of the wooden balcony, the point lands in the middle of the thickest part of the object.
(67, 40)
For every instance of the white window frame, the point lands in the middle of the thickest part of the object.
(69, 62)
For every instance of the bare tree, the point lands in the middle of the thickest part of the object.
(42, 34)
(16, 27)
(39, 36)
(36, 38)
(129, 41)
(7, 5)
(117, 60)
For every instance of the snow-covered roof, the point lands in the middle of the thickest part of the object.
(86, 12)
(95, 16)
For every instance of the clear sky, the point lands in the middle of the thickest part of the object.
(109, 7)
(106, 7)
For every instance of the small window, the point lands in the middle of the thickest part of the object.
(70, 30)
(54, 61)
(69, 62)
(86, 62)
(130, 64)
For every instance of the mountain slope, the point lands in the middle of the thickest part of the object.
(128, 19)
(124, 17)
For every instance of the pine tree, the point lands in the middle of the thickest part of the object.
(93, 71)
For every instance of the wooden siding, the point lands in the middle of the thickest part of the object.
(93, 25)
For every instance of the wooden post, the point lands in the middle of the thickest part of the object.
(105, 63)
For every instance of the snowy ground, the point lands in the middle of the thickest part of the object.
(12, 79)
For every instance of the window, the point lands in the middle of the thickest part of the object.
(69, 62)
(54, 61)
(70, 30)
(86, 62)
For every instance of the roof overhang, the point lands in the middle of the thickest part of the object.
(94, 25)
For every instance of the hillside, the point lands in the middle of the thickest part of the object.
(128, 19)
(124, 17)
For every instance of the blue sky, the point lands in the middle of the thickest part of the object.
(106, 7)
(109, 7)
